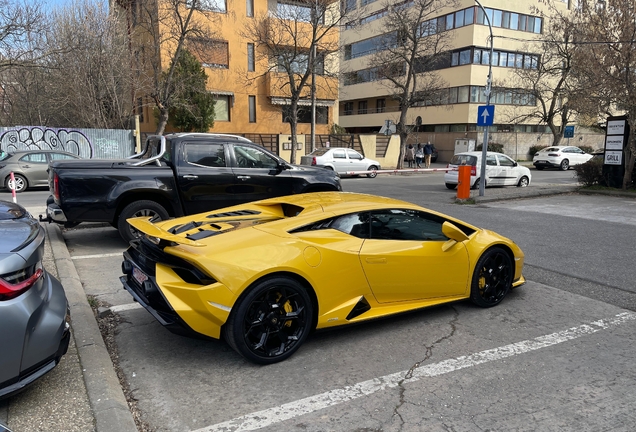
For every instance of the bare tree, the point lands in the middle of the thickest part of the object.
(77, 75)
(295, 40)
(606, 64)
(408, 56)
(548, 76)
(19, 24)
(161, 32)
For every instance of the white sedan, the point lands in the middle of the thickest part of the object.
(500, 170)
(341, 160)
(562, 157)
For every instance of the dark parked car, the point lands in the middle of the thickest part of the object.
(29, 167)
(175, 175)
(33, 307)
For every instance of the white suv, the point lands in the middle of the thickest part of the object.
(500, 170)
(562, 157)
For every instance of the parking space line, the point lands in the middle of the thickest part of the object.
(271, 416)
(114, 254)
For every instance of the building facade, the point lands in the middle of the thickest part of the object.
(249, 89)
(365, 104)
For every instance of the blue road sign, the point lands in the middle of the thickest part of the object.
(485, 115)
(568, 132)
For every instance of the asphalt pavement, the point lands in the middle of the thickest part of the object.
(83, 393)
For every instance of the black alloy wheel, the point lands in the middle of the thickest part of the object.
(492, 278)
(271, 322)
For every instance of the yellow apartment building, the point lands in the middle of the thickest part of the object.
(365, 105)
(249, 92)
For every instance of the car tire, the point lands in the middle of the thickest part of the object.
(539, 168)
(136, 209)
(492, 278)
(270, 321)
(373, 174)
(21, 183)
(451, 186)
(476, 184)
(523, 182)
(565, 165)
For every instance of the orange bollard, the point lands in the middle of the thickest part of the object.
(463, 186)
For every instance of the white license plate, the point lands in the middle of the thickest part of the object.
(139, 275)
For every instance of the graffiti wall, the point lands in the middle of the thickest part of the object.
(86, 143)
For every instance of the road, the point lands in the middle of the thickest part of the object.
(557, 354)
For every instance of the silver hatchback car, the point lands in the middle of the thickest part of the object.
(33, 308)
(29, 167)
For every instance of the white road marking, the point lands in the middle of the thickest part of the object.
(126, 307)
(271, 416)
(108, 255)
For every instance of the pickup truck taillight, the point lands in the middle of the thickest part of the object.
(56, 187)
(16, 283)
(313, 161)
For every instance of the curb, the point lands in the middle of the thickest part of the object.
(105, 394)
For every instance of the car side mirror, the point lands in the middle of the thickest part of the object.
(514, 164)
(454, 234)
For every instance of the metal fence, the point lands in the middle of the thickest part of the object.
(86, 143)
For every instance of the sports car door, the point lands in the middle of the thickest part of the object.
(403, 258)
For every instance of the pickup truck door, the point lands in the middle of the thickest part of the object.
(204, 177)
(257, 175)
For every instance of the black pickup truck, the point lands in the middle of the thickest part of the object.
(175, 175)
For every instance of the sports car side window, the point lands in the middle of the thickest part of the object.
(207, 155)
(355, 224)
(398, 224)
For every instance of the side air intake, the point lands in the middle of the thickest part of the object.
(361, 307)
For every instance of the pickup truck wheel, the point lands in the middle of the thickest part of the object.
(143, 208)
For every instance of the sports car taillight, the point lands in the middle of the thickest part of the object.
(15, 283)
(313, 161)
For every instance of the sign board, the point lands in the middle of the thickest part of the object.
(485, 115)
(616, 127)
(568, 132)
(613, 157)
(614, 142)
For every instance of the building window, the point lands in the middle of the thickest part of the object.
(209, 5)
(211, 53)
(294, 10)
(362, 107)
(249, 8)
(251, 64)
(348, 108)
(222, 108)
(298, 62)
(252, 108)
(304, 114)
(380, 105)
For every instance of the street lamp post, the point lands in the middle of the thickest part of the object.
(487, 92)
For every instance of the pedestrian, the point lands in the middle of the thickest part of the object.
(410, 155)
(428, 152)
(419, 155)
